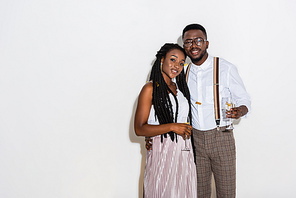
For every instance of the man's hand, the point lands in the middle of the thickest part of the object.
(149, 141)
(237, 112)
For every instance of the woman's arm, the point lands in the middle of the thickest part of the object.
(142, 128)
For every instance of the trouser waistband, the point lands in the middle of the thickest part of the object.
(214, 130)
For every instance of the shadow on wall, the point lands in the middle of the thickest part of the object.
(140, 140)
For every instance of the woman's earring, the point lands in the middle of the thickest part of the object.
(160, 66)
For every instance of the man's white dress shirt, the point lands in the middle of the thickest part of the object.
(200, 83)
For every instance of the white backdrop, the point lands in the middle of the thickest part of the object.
(71, 71)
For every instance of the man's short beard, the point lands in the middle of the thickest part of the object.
(199, 58)
(196, 59)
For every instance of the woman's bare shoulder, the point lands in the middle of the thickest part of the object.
(147, 89)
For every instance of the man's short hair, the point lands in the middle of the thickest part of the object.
(194, 27)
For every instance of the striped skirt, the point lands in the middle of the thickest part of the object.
(169, 171)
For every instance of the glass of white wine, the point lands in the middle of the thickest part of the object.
(227, 104)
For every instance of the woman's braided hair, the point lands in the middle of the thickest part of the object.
(160, 96)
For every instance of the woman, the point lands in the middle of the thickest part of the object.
(162, 113)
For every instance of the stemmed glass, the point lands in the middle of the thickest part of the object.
(186, 139)
(231, 105)
(227, 104)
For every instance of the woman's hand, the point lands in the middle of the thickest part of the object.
(182, 129)
(179, 128)
(149, 143)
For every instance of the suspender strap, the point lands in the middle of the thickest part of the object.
(216, 91)
(187, 72)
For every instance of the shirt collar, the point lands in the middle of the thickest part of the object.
(205, 65)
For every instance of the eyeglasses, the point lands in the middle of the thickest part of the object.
(198, 41)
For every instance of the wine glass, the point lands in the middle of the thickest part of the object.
(227, 104)
(230, 126)
(186, 139)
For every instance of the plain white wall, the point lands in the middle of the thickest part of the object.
(71, 71)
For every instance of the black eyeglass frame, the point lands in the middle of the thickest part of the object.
(198, 41)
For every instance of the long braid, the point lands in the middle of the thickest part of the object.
(181, 81)
(160, 97)
(182, 84)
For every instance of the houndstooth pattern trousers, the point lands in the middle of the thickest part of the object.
(215, 154)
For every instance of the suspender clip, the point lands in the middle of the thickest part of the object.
(218, 124)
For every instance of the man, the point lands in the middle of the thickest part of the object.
(214, 143)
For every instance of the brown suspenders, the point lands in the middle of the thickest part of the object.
(216, 88)
(187, 72)
(216, 91)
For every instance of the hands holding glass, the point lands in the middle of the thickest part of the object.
(182, 127)
(230, 111)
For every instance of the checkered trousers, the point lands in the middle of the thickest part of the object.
(215, 154)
